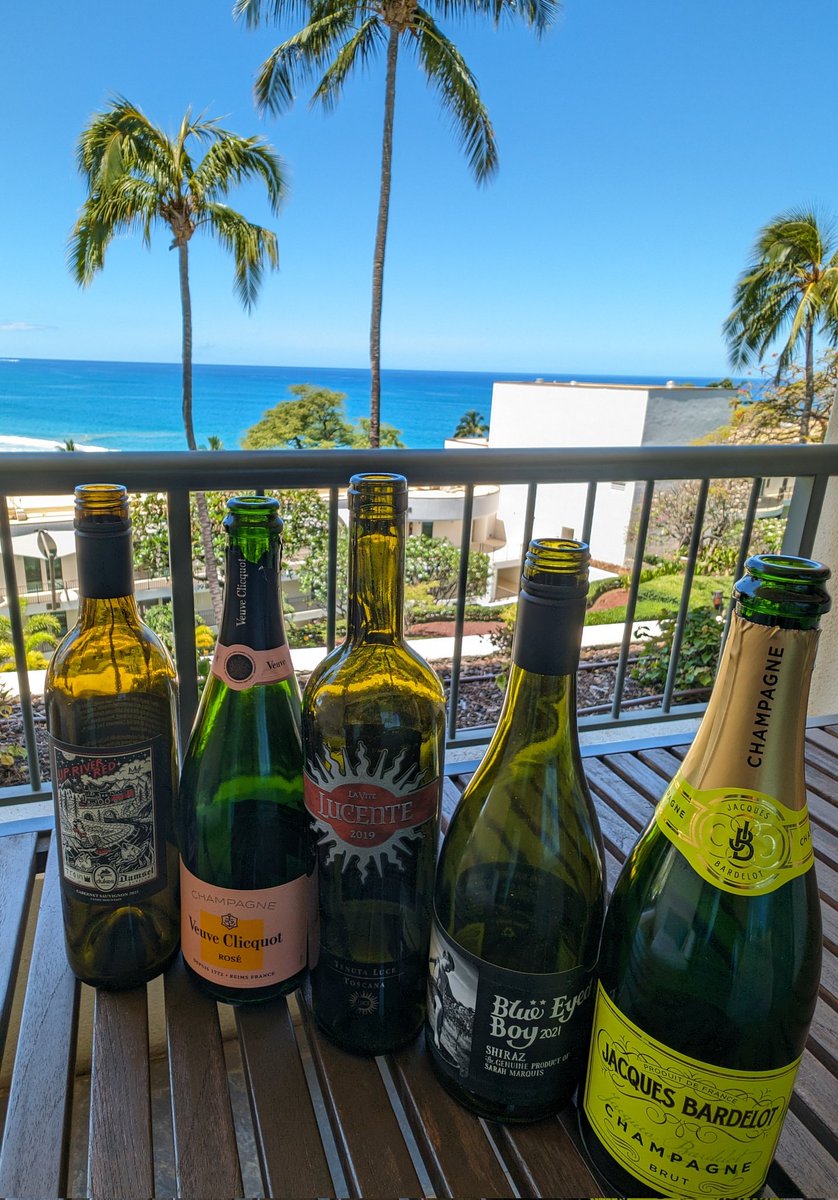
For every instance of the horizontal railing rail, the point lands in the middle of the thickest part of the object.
(178, 474)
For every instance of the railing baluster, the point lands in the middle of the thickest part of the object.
(19, 646)
(332, 571)
(183, 610)
(631, 603)
(588, 519)
(686, 589)
(804, 514)
(460, 611)
(744, 546)
(529, 521)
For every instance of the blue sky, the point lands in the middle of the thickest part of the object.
(642, 146)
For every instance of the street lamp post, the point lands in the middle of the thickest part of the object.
(47, 546)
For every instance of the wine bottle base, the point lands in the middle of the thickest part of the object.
(124, 981)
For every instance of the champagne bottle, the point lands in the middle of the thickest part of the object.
(110, 703)
(712, 941)
(519, 894)
(373, 723)
(246, 860)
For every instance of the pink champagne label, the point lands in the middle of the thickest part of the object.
(241, 667)
(367, 814)
(244, 939)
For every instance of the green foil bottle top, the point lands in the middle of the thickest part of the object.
(783, 590)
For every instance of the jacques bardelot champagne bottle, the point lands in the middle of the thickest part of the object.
(246, 858)
(373, 724)
(712, 942)
(111, 703)
(519, 894)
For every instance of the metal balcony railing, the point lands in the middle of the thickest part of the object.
(178, 474)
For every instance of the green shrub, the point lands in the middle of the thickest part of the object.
(699, 651)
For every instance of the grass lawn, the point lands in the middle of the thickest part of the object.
(661, 597)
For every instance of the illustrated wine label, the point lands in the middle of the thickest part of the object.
(682, 1126)
(242, 667)
(369, 812)
(244, 939)
(107, 805)
(506, 1036)
(741, 841)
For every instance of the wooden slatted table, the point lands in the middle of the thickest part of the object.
(161, 1092)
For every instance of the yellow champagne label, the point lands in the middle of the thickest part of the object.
(741, 841)
(684, 1127)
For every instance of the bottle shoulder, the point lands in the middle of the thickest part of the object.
(351, 671)
(124, 656)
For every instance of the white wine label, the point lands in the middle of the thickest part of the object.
(241, 667)
(244, 938)
(106, 805)
(741, 841)
(507, 1037)
(685, 1127)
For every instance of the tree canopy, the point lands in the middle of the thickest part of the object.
(314, 418)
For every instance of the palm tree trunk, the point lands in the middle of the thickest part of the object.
(809, 392)
(210, 565)
(381, 237)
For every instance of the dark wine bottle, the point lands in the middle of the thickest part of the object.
(373, 722)
(111, 702)
(246, 858)
(712, 942)
(519, 893)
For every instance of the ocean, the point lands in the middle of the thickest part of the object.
(137, 406)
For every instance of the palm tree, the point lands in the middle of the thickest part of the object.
(138, 179)
(340, 35)
(472, 424)
(789, 289)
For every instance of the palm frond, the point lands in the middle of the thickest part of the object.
(357, 51)
(127, 205)
(233, 159)
(305, 54)
(447, 72)
(537, 14)
(254, 11)
(251, 246)
(121, 138)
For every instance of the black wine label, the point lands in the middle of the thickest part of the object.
(506, 1036)
(107, 804)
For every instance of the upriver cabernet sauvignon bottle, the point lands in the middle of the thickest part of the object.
(110, 701)
(246, 862)
(519, 892)
(712, 942)
(373, 721)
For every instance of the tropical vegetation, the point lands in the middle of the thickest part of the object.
(313, 418)
(140, 179)
(41, 631)
(339, 37)
(787, 293)
(472, 424)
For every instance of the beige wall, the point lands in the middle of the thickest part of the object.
(823, 699)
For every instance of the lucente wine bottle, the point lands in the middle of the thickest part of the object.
(519, 893)
(712, 942)
(373, 722)
(246, 859)
(110, 702)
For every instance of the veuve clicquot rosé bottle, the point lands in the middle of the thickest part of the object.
(111, 702)
(373, 722)
(246, 859)
(711, 948)
(519, 894)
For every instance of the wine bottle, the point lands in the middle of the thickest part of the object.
(712, 941)
(110, 703)
(246, 858)
(519, 894)
(373, 725)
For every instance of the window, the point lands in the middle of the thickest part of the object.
(32, 572)
(618, 487)
(59, 573)
(427, 529)
(568, 532)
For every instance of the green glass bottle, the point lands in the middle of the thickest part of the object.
(373, 721)
(519, 894)
(110, 703)
(712, 942)
(246, 859)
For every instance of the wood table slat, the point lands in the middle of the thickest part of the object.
(288, 1140)
(199, 1092)
(824, 740)
(544, 1161)
(810, 1167)
(17, 872)
(121, 1165)
(451, 1140)
(34, 1156)
(824, 761)
(372, 1149)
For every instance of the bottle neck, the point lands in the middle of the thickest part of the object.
(752, 735)
(375, 604)
(252, 615)
(105, 564)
